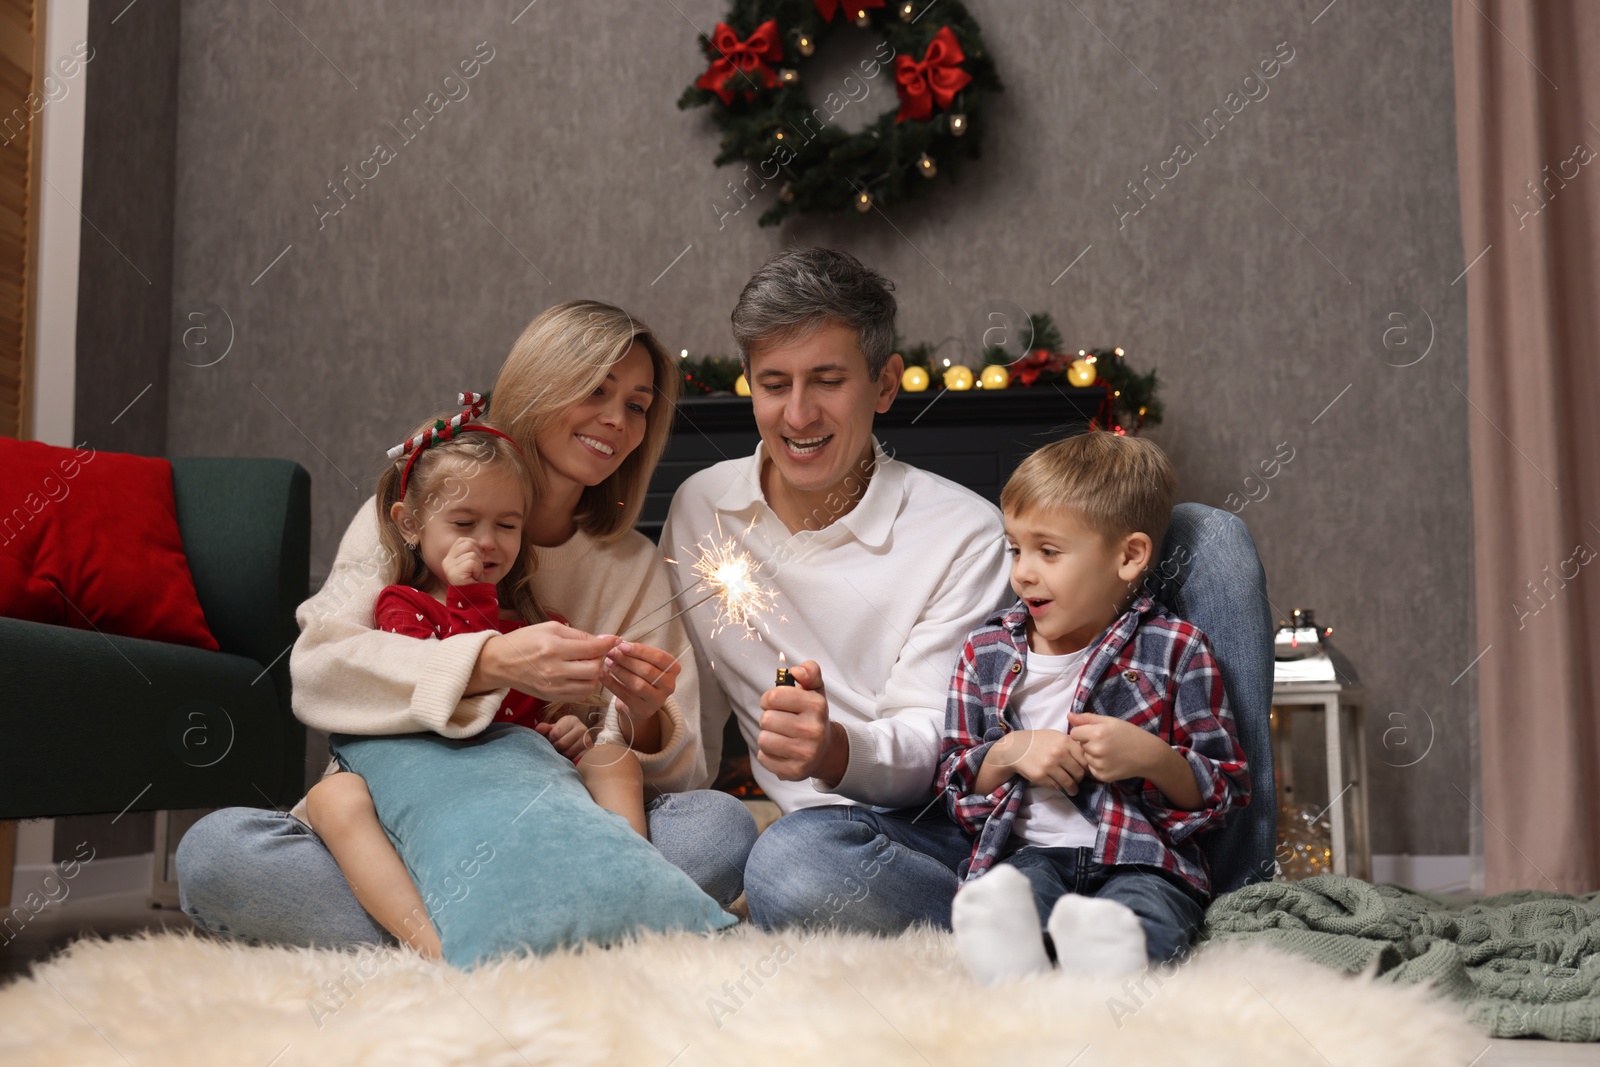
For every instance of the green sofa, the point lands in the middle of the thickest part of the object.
(98, 723)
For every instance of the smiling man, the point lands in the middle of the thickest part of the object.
(880, 570)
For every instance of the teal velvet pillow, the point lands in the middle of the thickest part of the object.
(509, 850)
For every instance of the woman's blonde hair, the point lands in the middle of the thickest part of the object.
(560, 359)
(438, 479)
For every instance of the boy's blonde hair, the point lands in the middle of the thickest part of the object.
(1115, 485)
(437, 480)
(561, 358)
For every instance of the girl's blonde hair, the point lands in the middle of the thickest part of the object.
(560, 359)
(438, 479)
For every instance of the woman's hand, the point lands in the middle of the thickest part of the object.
(553, 662)
(642, 678)
(569, 734)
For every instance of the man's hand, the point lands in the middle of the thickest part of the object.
(569, 734)
(463, 564)
(1043, 757)
(1114, 748)
(797, 739)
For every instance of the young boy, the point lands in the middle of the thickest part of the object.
(1087, 736)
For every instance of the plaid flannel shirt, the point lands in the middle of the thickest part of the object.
(1150, 668)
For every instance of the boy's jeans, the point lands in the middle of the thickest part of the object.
(1169, 915)
(263, 875)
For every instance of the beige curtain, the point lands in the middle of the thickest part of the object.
(1528, 139)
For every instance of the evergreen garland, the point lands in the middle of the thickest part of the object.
(707, 375)
(1130, 404)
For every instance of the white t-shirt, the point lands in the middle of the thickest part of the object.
(1041, 699)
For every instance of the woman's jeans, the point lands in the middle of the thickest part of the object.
(262, 875)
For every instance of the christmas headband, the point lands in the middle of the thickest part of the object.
(475, 405)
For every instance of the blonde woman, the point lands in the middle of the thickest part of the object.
(587, 393)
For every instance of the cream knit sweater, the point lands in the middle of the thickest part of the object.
(351, 678)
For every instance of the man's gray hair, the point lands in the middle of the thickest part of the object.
(801, 289)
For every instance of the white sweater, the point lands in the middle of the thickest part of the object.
(351, 678)
(882, 598)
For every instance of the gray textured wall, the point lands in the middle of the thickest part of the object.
(1256, 280)
(125, 248)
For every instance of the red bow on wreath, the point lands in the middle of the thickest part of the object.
(937, 77)
(826, 8)
(743, 60)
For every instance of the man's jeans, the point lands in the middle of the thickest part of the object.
(1169, 915)
(856, 868)
(262, 875)
(811, 866)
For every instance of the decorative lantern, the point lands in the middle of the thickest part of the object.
(1320, 831)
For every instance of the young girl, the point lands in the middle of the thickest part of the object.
(450, 515)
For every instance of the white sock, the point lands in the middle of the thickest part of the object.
(997, 927)
(1096, 937)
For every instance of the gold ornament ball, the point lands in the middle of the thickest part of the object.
(1080, 372)
(995, 377)
(914, 380)
(741, 386)
(958, 377)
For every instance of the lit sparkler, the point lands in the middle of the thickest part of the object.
(729, 573)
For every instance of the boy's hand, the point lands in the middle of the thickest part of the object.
(1043, 757)
(1114, 748)
(568, 734)
(463, 564)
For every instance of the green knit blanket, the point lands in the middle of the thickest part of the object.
(1522, 964)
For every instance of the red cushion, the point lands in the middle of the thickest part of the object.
(90, 539)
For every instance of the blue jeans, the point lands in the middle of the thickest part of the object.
(856, 868)
(1169, 915)
(262, 875)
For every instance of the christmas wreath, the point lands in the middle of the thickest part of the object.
(932, 52)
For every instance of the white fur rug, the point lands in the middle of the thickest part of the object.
(743, 997)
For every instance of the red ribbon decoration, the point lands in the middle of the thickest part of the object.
(742, 60)
(1027, 369)
(826, 8)
(936, 78)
